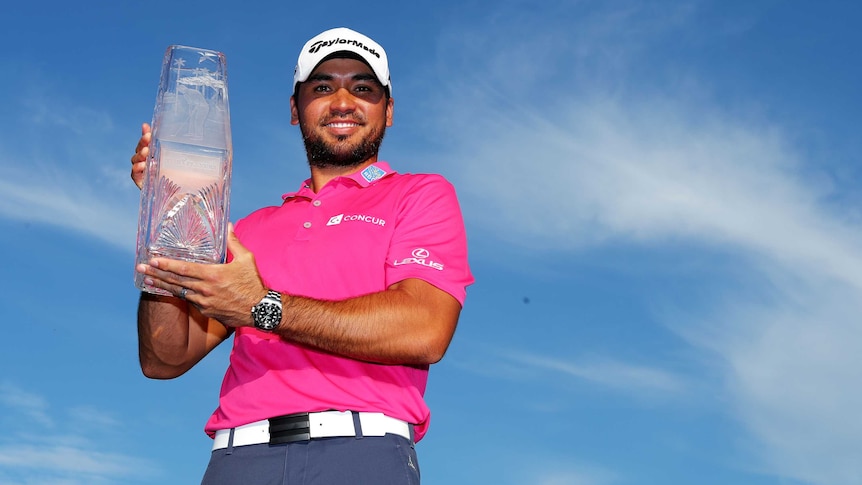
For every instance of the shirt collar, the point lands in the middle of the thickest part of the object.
(364, 178)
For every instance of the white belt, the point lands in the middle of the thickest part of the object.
(325, 424)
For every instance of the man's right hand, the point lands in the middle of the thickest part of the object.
(139, 159)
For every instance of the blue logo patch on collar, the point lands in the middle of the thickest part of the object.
(372, 173)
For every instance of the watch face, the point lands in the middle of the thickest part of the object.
(267, 316)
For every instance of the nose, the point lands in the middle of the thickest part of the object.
(342, 102)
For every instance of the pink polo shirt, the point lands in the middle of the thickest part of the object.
(360, 234)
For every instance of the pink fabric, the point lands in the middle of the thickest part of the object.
(359, 235)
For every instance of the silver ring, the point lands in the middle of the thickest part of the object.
(183, 292)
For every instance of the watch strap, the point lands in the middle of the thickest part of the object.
(272, 296)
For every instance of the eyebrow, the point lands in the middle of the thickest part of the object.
(362, 76)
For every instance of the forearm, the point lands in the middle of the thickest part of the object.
(172, 336)
(410, 323)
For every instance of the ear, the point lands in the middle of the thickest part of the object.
(294, 112)
(390, 108)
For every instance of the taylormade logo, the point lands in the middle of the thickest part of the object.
(338, 40)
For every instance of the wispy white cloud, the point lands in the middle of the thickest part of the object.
(67, 199)
(572, 477)
(565, 160)
(92, 417)
(68, 462)
(21, 402)
(551, 469)
(33, 450)
(41, 110)
(603, 371)
(792, 366)
(58, 170)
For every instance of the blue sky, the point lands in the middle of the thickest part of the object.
(661, 205)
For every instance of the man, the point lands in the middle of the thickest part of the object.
(338, 299)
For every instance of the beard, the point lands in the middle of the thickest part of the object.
(343, 152)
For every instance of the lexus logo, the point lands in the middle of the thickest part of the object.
(421, 257)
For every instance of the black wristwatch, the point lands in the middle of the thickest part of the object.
(267, 313)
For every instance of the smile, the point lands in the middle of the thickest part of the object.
(342, 125)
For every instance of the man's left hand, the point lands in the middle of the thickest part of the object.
(225, 292)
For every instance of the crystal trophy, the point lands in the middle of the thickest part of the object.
(186, 191)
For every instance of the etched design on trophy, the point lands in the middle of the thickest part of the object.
(188, 223)
(185, 199)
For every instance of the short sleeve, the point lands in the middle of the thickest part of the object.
(429, 240)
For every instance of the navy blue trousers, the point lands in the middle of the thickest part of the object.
(370, 460)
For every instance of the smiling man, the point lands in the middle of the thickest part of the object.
(335, 309)
(341, 127)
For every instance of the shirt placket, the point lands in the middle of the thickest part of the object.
(313, 217)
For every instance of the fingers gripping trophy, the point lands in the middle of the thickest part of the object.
(186, 189)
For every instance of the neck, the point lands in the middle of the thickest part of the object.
(320, 176)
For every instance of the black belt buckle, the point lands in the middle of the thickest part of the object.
(289, 428)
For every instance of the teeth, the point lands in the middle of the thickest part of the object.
(342, 125)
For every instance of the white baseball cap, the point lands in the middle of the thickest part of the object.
(340, 40)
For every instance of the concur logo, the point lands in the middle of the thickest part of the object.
(336, 220)
(421, 256)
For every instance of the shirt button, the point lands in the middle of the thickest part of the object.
(306, 225)
(316, 203)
